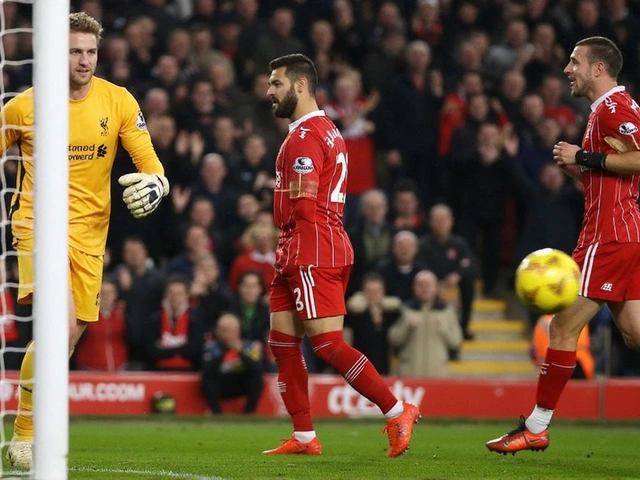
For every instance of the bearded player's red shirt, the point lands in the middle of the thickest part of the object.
(310, 191)
(611, 213)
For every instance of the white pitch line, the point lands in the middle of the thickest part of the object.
(156, 473)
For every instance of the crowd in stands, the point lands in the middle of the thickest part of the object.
(450, 109)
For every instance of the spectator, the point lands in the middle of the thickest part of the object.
(483, 180)
(254, 172)
(426, 331)
(196, 243)
(201, 110)
(223, 140)
(228, 95)
(180, 47)
(585, 364)
(380, 65)
(450, 258)
(202, 55)
(156, 104)
(408, 122)
(260, 254)
(399, 269)
(552, 192)
(248, 304)
(321, 38)
(253, 28)
(232, 366)
(554, 107)
(350, 111)
(372, 236)
(512, 54)
(278, 41)
(141, 287)
(247, 211)
(174, 336)
(350, 35)
(212, 185)
(512, 89)
(389, 17)
(208, 290)
(527, 123)
(104, 346)
(534, 157)
(370, 314)
(548, 55)
(407, 214)
(466, 144)
(426, 25)
(455, 109)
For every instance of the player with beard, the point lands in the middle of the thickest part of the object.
(313, 262)
(608, 248)
(101, 115)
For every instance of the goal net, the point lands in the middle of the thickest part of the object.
(34, 52)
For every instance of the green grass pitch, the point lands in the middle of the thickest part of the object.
(207, 448)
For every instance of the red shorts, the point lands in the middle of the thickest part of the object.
(314, 292)
(609, 271)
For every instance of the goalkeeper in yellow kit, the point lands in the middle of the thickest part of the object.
(101, 115)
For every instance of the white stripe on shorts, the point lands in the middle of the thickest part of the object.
(309, 297)
(587, 268)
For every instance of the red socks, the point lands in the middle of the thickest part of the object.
(356, 369)
(293, 378)
(555, 372)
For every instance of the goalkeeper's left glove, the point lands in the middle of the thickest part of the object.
(144, 192)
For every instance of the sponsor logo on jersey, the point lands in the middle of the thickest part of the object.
(303, 165)
(86, 152)
(104, 126)
(627, 128)
(141, 123)
(102, 150)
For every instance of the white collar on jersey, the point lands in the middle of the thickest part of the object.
(315, 113)
(594, 105)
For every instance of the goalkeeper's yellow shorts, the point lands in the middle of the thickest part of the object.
(85, 279)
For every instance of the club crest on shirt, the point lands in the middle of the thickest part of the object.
(627, 128)
(303, 165)
(104, 125)
(141, 123)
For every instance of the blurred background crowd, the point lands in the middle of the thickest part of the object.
(450, 109)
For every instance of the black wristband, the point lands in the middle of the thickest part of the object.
(593, 160)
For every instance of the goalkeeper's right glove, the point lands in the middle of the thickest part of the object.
(144, 192)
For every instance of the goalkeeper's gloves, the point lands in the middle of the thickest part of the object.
(144, 192)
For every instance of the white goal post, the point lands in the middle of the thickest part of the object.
(51, 218)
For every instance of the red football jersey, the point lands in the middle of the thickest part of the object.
(611, 211)
(312, 167)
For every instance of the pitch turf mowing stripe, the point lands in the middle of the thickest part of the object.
(159, 473)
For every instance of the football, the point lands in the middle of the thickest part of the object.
(547, 281)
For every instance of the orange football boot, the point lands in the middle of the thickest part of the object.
(519, 439)
(400, 429)
(292, 446)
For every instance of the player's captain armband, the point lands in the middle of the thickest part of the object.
(303, 188)
(618, 145)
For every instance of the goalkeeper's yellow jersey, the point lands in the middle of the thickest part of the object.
(107, 114)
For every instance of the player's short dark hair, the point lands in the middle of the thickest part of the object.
(297, 66)
(601, 49)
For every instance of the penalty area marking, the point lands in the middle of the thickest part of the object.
(155, 473)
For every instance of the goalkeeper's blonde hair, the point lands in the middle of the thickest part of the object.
(80, 22)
